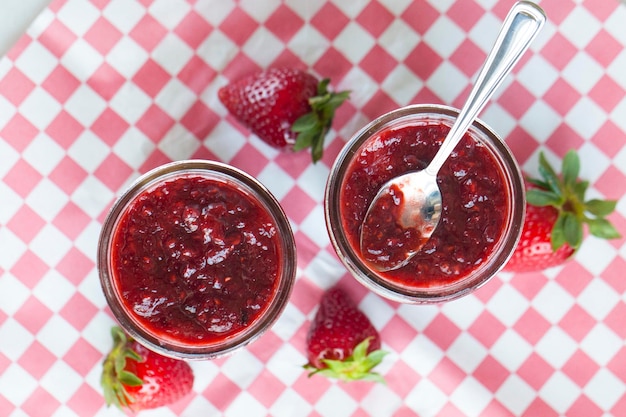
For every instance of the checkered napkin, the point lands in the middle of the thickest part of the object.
(98, 92)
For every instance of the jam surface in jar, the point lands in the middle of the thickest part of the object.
(474, 196)
(195, 259)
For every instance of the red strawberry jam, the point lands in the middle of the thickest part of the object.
(196, 259)
(475, 203)
(385, 242)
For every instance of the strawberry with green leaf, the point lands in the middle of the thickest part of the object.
(286, 107)
(557, 212)
(342, 343)
(136, 378)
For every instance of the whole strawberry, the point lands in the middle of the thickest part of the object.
(556, 212)
(342, 342)
(287, 108)
(136, 378)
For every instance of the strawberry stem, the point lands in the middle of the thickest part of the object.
(313, 127)
(566, 193)
(357, 366)
(115, 378)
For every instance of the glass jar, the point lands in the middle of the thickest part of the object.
(481, 185)
(196, 259)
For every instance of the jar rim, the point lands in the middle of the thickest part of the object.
(480, 131)
(242, 182)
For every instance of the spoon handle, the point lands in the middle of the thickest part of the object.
(520, 27)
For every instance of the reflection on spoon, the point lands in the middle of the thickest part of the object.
(391, 234)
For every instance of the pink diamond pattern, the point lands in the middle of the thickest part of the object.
(141, 96)
(559, 51)
(619, 408)
(284, 23)
(18, 132)
(29, 269)
(532, 326)
(22, 178)
(82, 357)
(75, 266)
(491, 373)
(420, 15)
(577, 323)
(196, 74)
(238, 25)
(6, 406)
(600, 9)
(113, 172)
(266, 388)
(465, 14)
(535, 371)
(539, 408)
(561, 97)
(612, 183)
(580, 368)
(330, 20)
(200, 120)
(148, 32)
(155, 122)
(603, 138)
(378, 63)
(193, 29)
(574, 279)
(40, 403)
(399, 327)
(486, 329)
(616, 364)
(447, 376)
(61, 84)
(607, 93)
(68, 175)
(299, 203)
(78, 311)
(564, 135)
(250, 157)
(516, 99)
(64, 129)
(109, 126)
(442, 331)
(604, 48)
(402, 378)
(37, 360)
(151, 78)
(423, 61)
(334, 62)
(468, 58)
(71, 220)
(33, 315)
(375, 18)
(86, 401)
(106, 81)
(57, 38)
(16, 86)
(103, 35)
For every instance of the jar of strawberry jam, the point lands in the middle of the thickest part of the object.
(482, 197)
(196, 259)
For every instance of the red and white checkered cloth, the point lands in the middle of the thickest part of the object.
(97, 92)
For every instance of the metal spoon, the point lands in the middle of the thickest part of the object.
(415, 196)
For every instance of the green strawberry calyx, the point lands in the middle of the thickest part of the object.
(357, 366)
(311, 128)
(566, 193)
(115, 378)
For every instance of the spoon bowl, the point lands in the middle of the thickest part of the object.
(408, 208)
(413, 219)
